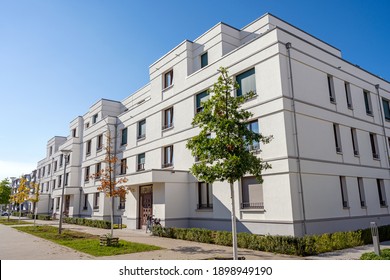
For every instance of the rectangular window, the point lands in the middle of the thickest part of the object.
(60, 181)
(123, 166)
(141, 134)
(332, 96)
(168, 118)
(124, 136)
(50, 151)
(141, 162)
(96, 201)
(87, 125)
(252, 193)
(61, 159)
(386, 109)
(88, 146)
(74, 132)
(354, 142)
(348, 96)
(367, 102)
(94, 118)
(374, 146)
(362, 195)
(53, 184)
(66, 178)
(204, 60)
(87, 174)
(246, 82)
(168, 156)
(58, 204)
(67, 158)
(99, 142)
(43, 171)
(47, 186)
(254, 127)
(48, 169)
(381, 192)
(98, 170)
(168, 79)
(85, 206)
(205, 196)
(122, 203)
(201, 97)
(336, 131)
(55, 166)
(344, 193)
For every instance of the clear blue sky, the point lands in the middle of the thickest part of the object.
(57, 58)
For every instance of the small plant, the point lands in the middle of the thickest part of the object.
(384, 255)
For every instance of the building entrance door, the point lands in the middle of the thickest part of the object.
(146, 205)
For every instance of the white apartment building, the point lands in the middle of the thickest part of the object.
(330, 122)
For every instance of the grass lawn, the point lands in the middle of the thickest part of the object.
(12, 222)
(385, 255)
(86, 243)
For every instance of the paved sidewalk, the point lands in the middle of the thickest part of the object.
(16, 245)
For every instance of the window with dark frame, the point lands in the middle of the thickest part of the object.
(141, 134)
(381, 192)
(252, 193)
(141, 162)
(99, 142)
(66, 178)
(86, 174)
(98, 170)
(74, 132)
(344, 192)
(54, 184)
(374, 146)
(85, 207)
(124, 136)
(94, 118)
(355, 145)
(168, 79)
(332, 96)
(200, 98)
(246, 82)
(204, 60)
(362, 195)
(367, 102)
(168, 156)
(386, 109)
(205, 195)
(348, 96)
(254, 127)
(123, 166)
(88, 146)
(122, 203)
(168, 118)
(336, 132)
(59, 181)
(96, 201)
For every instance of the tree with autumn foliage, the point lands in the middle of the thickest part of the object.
(226, 155)
(34, 198)
(22, 194)
(109, 185)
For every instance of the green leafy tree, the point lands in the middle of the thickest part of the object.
(5, 193)
(22, 194)
(221, 147)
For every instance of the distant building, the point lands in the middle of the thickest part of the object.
(329, 118)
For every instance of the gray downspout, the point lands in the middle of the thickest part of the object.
(115, 153)
(288, 47)
(383, 126)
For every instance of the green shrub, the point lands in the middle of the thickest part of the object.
(88, 222)
(223, 238)
(384, 255)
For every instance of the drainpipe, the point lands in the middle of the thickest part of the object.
(288, 47)
(383, 125)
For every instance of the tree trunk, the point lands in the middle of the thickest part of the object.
(234, 228)
(20, 211)
(35, 212)
(112, 216)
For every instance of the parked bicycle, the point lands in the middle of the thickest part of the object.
(152, 222)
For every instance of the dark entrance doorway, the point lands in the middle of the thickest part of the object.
(146, 203)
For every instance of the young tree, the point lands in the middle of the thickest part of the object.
(222, 144)
(34, 198)
(22, 194)
(5, 193)
(109, 185)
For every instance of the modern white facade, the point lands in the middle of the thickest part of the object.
(330, 122)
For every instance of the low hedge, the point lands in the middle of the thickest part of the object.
(39, 217)
(88, 222)
(299, 246)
